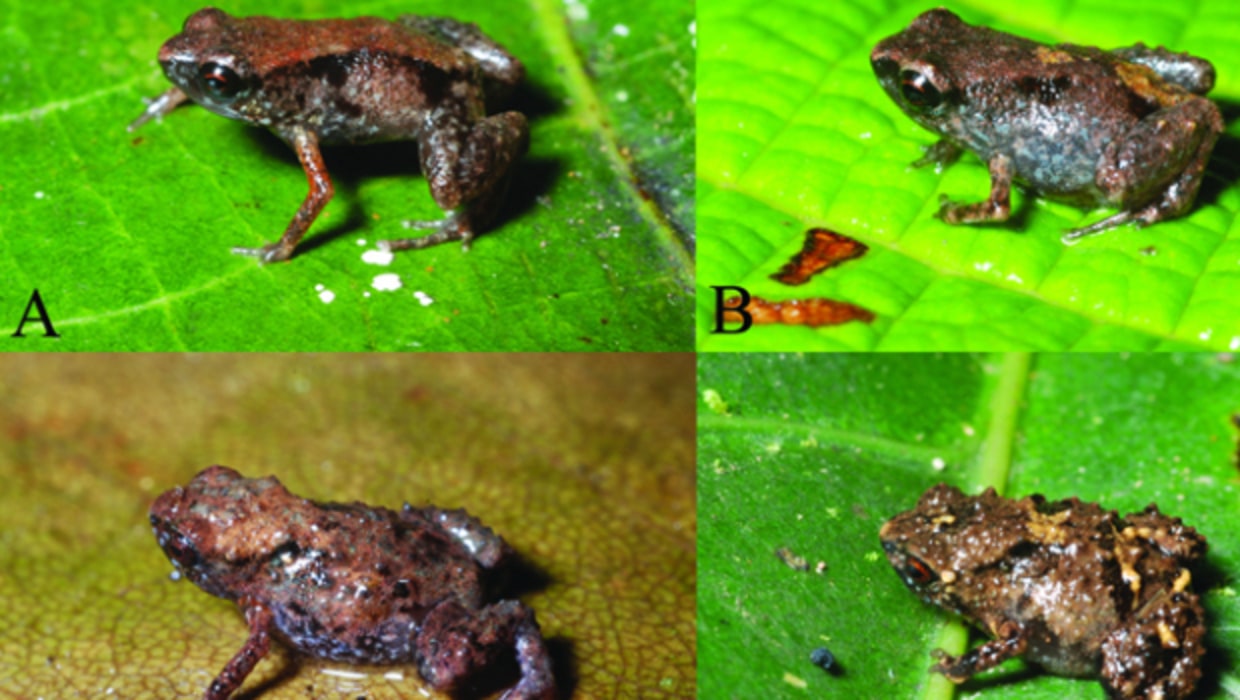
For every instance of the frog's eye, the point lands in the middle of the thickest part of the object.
(918, 90)
(916, 572)
(220, 82)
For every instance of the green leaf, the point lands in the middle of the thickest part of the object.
(583, 463)
(796, 133)
(127, 236)
(817, 451)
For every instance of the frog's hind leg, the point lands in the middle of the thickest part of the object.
(1168, 534)
(486, 547)
(1154, 172)
(1076, 234)
(1158, 653)
(456, 643)
(467, 169)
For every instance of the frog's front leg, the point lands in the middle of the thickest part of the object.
(467, 170)
(1011, 642)
(1158, 653)
(260, 619)
(1154, 171)
(455, 643)
(306, 143)
(157, 107)
(996, 208)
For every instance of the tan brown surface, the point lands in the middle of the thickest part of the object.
(583, 463)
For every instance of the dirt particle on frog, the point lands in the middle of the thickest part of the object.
(364, 80)
(1128, 128)
(822, 249)
(1070, 586)
(350, 582)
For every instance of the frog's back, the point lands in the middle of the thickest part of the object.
(361, 591)
(279, 42)
(1054, 110)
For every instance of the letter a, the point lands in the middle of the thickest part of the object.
(36, 301)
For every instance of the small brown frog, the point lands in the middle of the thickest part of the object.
(349, 582)
(363, 80)
(1071, 587)
(1127, 128)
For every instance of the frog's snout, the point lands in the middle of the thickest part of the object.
(883, 67)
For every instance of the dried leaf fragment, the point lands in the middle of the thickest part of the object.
(823, 249)
(812, 312)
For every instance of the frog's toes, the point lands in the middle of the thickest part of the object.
(272, 252)
(956, 212)
(946, 207)
(455, 227)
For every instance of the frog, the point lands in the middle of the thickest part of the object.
(355, 81)
(1129, 128)
(1067, 584)
(350, 582)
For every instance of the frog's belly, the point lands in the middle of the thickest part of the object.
(1062, 658)
(1060, 172)
(1057, 160)
(339, 636)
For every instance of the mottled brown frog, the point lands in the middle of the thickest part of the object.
(1127, 128)
(350, 582)
(364, 80)
(1070, 586)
